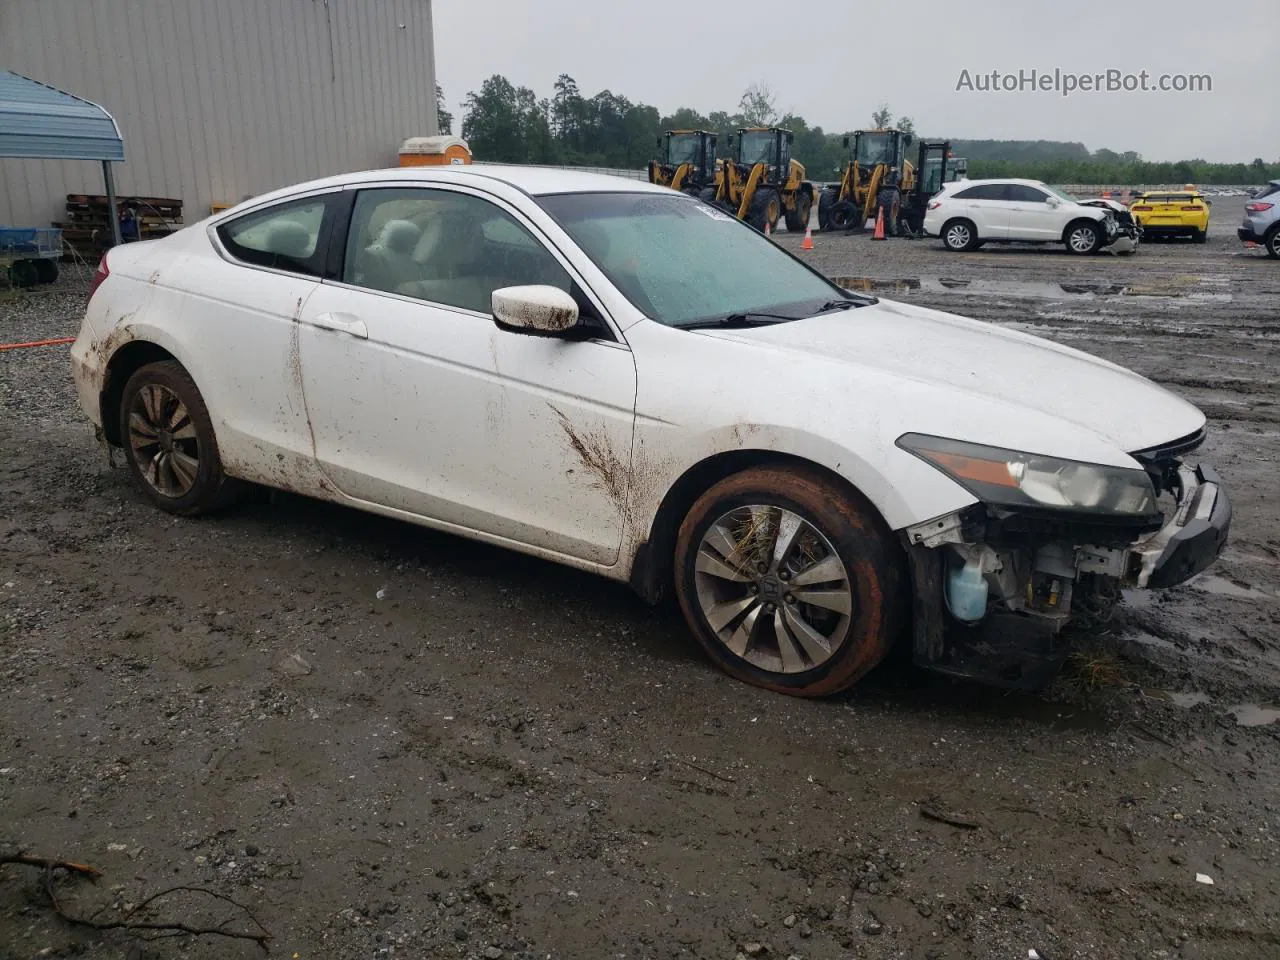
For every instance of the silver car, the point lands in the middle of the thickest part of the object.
(1262, 220)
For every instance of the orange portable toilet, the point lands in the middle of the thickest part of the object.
(434, 151)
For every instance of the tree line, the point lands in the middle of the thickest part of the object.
(509, 124)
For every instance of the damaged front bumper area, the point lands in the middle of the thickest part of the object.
(994, 588)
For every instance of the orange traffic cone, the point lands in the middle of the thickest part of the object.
(879, 234)
(808, 239)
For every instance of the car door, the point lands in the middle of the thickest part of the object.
(420, 403)
(1031, 217)
(243, 300)
(985, 205)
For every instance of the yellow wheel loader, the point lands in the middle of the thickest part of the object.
(878, 172)
(761, 184)
(687, 161)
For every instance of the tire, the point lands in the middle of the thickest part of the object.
(46, 271)
(23, 274)
(1272, 242)
(848, 632)
(1082, 238)
(844, 216)
(153, 395)
(766, 207)
(960, 236)
(798, 219)
(826, 200)
(1199, 236)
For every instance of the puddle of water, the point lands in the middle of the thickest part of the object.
(1030, 289)
(1254, 715)
(1222, 587)
(1246, 714)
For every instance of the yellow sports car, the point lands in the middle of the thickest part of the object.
(1176, 213)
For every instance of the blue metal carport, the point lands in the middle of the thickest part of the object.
(40, 121)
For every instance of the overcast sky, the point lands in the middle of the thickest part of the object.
(833, 61)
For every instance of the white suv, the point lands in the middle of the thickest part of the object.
(969, 213)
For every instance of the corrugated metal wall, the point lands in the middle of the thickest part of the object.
(218, 99)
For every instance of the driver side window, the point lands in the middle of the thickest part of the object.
(444, 247)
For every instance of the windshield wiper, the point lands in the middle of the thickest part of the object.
(840, 305)
(751, 319)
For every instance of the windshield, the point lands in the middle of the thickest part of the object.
(758, 148)
(1058, 193)
(682, 262)
(684, 148)
(875, 149)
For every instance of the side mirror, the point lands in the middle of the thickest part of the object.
(791, 138)
(537, 310)
(846, 143)
(659, 142)
(1053, 201)
(908, 139)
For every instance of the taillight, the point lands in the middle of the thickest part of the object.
(1143, 209)
(1258, 207)
(99, 275)
(934, 204)
(1191, 209)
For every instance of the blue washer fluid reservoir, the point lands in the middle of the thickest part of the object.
(966, 592)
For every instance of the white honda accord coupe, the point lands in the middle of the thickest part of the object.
(619, 378)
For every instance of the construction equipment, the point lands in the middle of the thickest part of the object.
(878, 163)
(687, 161)
(762, 184)
(934, 166)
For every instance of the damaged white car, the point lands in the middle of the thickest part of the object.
(620, 378)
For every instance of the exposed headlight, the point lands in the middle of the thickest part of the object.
(1014, 479)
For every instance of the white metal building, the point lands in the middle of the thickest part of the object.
(220, 99)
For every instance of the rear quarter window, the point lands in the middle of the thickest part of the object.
(292, 236)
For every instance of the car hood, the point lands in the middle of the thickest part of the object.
(992, 363)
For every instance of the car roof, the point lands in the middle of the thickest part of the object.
(1018, 180)
(536, 181)
(1171, 193)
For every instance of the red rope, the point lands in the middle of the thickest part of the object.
(37, 343)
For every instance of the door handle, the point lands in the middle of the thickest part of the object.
(342, 323)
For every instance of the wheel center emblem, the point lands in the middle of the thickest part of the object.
(770, 588)
(166, 441)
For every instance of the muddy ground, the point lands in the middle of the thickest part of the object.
(392, 743)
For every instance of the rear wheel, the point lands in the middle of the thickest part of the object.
(169, 441)
(826, 200)
(959, 236)
(798, 219)
(844, 216)
(1083, 238)
(788, 581)
(47, 271)
(1272, 243)
(1199, 236)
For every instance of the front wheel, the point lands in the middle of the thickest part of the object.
(169, 441)
(788, 581)
(1083, 239)
(959, 236)
(826, 200)
(845, 216)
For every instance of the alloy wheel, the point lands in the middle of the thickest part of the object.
(773, 589)
(164, 441)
